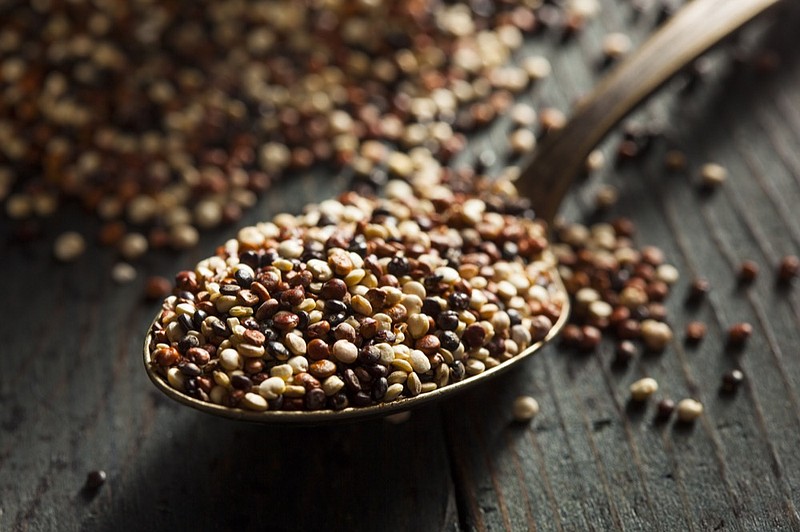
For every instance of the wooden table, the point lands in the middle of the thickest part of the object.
(74, 396)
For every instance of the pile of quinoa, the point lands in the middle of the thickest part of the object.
(169, 118)
(360, 301)
(618, 289)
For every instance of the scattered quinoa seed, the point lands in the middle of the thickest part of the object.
(551, 119)
(695, 331)
(689, 410)
(123, 273)
(627, 150)
(132, 246)
(698, 290)
(731, 380)
(625, 352)
(69, 246)
(595, 161)
(95, 479)
(748, 271)
(525, 408)
(738, 334)
(664, 408)
(615, 45)
(712, 175)
(788, 269)
(522, 141)
(642, 389)
(523, 115)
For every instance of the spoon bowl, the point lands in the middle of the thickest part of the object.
(317, 417)
(361, 305)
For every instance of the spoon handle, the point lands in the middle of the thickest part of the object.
(547, 174)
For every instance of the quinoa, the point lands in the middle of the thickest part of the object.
(171, 118)
(360, 301)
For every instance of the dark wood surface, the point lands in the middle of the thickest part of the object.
(74, 396)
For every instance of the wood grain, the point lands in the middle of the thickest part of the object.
(74, 397)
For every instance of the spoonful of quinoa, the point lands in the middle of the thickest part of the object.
(361, 306)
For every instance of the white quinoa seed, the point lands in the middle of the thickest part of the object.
(19, 206)
(419, 362)
(123, 273)
(230, 359)
(522, 141)
(253, 401)
(184, 236)
(393, 392)
(418, 325)
(133, 246)
(667, 273)
(332, 385)
(298, 364)
(208, 214)
(551, 118)
(595, 161)
(537, 67)
(475, 366)
(294, 390)
(413, 384)
(296, 344)
(587, 296)
(523, 115)
(642, 389)
(345, 351)
(713, 174)
(632, 297)
(218, 394)
(402, 365)
(616, 45)
(69, 246)
(283, 371)
(272, 387)
(175, 378)
(656, 335)
(525, 408)
(584, 8)
(600, 309)
(688, 410)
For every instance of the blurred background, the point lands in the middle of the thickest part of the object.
(135, 137)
